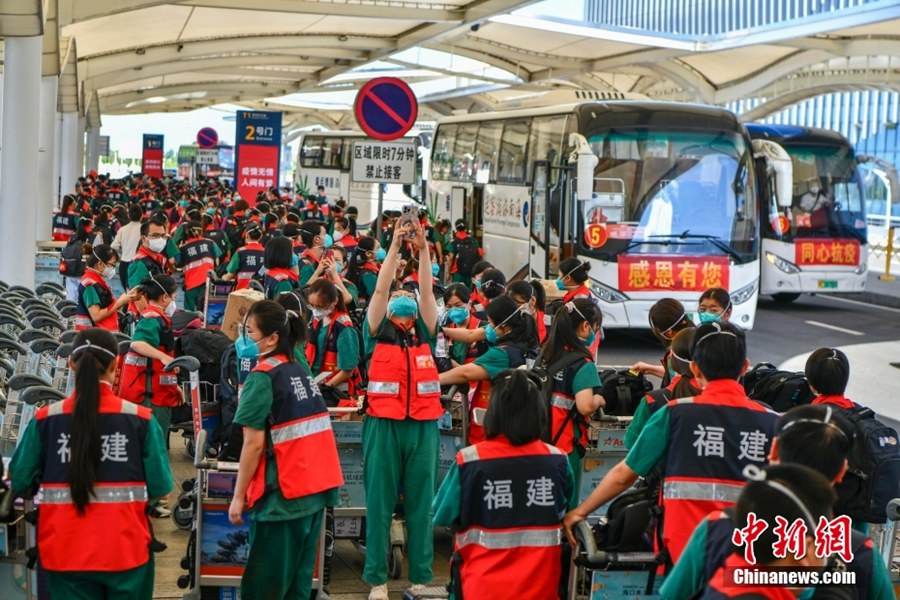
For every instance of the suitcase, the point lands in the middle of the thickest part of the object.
(429, 593)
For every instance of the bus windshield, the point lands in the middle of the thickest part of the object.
(828, 199)
(671, 192)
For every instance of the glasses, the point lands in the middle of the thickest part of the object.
(158, 236)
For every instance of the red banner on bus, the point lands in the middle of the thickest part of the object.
(827, 252)
(642, 273)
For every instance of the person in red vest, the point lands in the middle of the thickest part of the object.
(247, 263)
(342, 235)
(96, 305)
(198, 257)
(66, 220)
(289, 468)
(716, 435)
(281, 270)
(99, 460)
(333, 342)
(506, 497)
(530, 295)
(400, 435)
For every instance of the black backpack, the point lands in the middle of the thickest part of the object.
(71, 259)
(546, 375)
(208, 346)
(780, 390)
(466, 255)
(873, 472)
(623, 391)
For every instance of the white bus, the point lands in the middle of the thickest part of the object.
(324, 159)
(660, 198)
(817, 242)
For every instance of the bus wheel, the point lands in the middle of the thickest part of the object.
(785, 297)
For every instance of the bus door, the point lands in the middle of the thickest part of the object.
(475, 213)
(539, 239)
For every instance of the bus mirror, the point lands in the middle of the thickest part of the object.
(886, 172)
(779, 165)
(585, 162)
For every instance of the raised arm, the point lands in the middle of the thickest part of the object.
(377, 307)
(427, 303)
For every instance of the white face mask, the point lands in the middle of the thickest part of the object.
(319, 313)
(157, 245)
(109, 272)
(170, 309)
(339, 235)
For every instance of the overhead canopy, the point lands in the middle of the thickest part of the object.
(307, 57)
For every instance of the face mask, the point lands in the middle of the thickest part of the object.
(458, 315)
(403, 306)
(157, 245)
(319, 313)
(183, 203)
(245, 347)
(490, 334)
(435, 269)
(339, 267)
(329, 241)
(109, 272)
(380, 254)
(478, 284)
(560, 285)
(708, 317)
(170, 309)
(339, 235)
(589, 341)
(211, 211)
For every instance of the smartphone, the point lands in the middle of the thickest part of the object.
(478, 416)
(329, 254)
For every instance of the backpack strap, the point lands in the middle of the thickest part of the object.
(565, 361)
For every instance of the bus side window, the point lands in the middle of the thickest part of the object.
(513, 151)
(545, 143)
(487, 148)
(311, 152)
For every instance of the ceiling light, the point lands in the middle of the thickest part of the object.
(140, 51)
(342, 38)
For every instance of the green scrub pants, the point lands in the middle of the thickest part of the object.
(399, 453)
(575, 464)
(282, 559)
(193, 298)
(136, 583)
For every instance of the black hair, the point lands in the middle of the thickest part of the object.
(271, 317)
(290, 230)
(98, 254)
(517, 410)
(194, 229)
(719, 350)
(309, 229)
(523, 330)
(84, 434)
(480, 267)
(815, 436)
(344, 222)
(493, 283)
(328, 292)
(668, 315)
(719, 295)
(254, 233)
(69, 200)
(680, 361)
(157, 286)
(135, 213)
(575, 268)
(526, 290)
(766, 501)
(157, 220)
(562, 336)
(293, 301)
(459, 290)
(279, 253)
(828, 371)
(365, 244)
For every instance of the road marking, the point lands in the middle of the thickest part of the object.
(858, 303)
(834, 328)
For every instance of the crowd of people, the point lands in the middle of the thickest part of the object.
(395, 318)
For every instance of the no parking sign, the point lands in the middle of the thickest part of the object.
(386, 108)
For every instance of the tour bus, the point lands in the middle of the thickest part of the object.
(660, 198)
(817, 241)
(324, 158)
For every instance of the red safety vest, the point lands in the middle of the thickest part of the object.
(63, 226)
(367, 266)
(140, 383)
(300, 438)
(717, 434)
(197, 259)
(562, 402)
(275, 276)
(481, 397)
(250, 261)
(512, 500)
(403, 377)
(339, 321)
(348, 241)
(83, 318)
(112, 534)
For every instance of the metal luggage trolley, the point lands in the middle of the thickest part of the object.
(216, 297)
(217, 550)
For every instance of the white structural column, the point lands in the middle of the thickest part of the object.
(57, 159)
(79, 161)
(46, 158)
(70, 148)
(93, 150)
(19, 163)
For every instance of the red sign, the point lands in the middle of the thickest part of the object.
(781, 224)
(827, 252)
(257, 172)
(641, 273)
(595, 236)
(152, 155)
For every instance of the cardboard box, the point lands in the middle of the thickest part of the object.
(550, 289)
(239, 303)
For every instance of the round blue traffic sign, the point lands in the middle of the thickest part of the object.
(207, 138)
(386, 108)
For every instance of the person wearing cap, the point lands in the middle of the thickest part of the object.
(98, 460)
(716, 434)
(461, 273)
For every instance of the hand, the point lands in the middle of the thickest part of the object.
(419, 239)
(572, 519)
(642, 367)
(180, 395)
(235, 511)
(599, 401)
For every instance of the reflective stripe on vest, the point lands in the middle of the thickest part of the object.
(701, 490)
(428, 387)
(199, 263)
(81, 321)
(560, 401)
(301, 429)
(102, 494)
(503, 540)
(135, 360)
(384, 387)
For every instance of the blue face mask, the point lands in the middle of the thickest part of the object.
(458, 315)
(478, 284)
(403, 307)
(435, 269)
(589, 341)
(211, 211)
(245, 347)
(708, 317)
(339, 267)
(560, 285)
(329, 241)
(490, 334)
(380, 254)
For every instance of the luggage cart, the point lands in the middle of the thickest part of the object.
(214, 302)
(217, 550)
